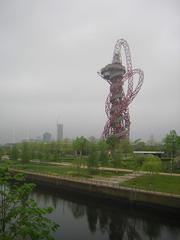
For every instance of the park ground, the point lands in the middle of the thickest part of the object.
(159, 182)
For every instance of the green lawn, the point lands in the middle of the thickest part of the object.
(65, 170)
(159, 183)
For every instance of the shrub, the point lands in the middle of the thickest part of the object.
(152, 164)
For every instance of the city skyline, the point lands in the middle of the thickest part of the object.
(50, 53)
(45, 135)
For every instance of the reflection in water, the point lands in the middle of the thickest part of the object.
(78, 211)
(82, 218)
(152, 230)
(92, 217)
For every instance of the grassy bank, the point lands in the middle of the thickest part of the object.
(159, 183)
(66, 170)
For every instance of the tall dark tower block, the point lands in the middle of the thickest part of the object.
(59, 132)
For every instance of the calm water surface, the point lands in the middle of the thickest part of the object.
(86, 219)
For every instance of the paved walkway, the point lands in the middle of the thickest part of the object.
(116, 180)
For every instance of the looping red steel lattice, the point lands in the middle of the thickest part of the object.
(117, 102)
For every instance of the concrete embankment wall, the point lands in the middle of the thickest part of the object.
(169, 202)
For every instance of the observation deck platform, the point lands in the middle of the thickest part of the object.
(113, 71)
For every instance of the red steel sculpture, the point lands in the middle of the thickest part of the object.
(118, 100)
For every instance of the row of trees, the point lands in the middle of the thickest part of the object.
(95, 152)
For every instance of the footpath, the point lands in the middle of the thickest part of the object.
(131, 172)
(111, 181)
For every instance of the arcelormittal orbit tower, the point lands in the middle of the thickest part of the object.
(117, 102)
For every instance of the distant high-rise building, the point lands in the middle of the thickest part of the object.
(47, 137)
(59, 132)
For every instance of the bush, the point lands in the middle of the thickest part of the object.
(139, 159)
(152, 164)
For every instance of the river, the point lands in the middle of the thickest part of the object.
(83, 218)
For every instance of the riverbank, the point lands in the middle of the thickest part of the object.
(108, 191)
(161, 182)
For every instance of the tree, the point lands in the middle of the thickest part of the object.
(152, 164)
(92, 139)
(20, 217)
(66, 148)
(171, 143)
(14, 152)
(92, 160)
(103, 153)
(112, 142)
(171, 146)
(1, 152)
(80, 145)
(138, 161)
(139, 145)
(126, 146)
(117, 156)
(25, 154)
(119, 150)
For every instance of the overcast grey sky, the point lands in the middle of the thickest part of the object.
(51, 50)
